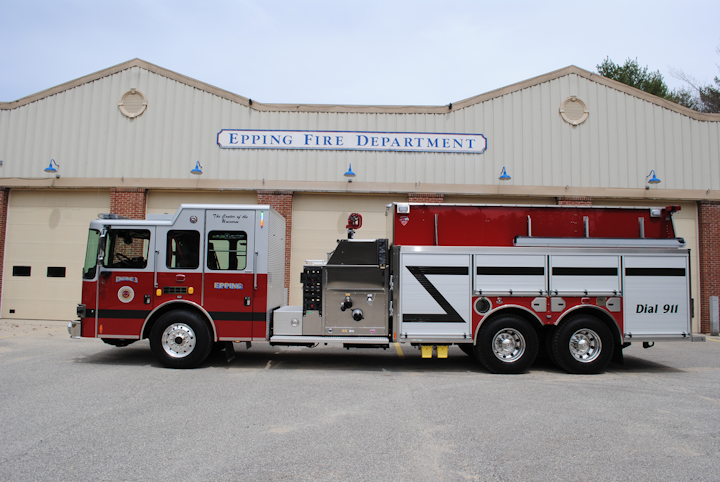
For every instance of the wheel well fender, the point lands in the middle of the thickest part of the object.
(595, 312)
(175, 305)
(516, 310)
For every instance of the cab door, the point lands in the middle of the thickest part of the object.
(229, 271)
(179, 261)
(125, 281)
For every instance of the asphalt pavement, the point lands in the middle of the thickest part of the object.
(83, 410)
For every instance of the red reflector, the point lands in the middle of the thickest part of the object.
(585, 301)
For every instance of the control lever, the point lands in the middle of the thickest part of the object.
(344, 305)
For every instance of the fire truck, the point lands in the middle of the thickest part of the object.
(503, 283)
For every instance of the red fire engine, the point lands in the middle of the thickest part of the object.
(501, 282)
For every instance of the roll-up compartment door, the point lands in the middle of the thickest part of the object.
(656, 297)
(585, 274)
(508, 274)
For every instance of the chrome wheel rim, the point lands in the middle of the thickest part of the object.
(508, 345)
(178, 340)
(585, 345)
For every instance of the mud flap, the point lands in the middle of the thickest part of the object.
(618, 354)
(229, 351)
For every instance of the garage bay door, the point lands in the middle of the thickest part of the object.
(45, 251)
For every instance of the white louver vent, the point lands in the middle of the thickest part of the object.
(133, 103)
(574, 111)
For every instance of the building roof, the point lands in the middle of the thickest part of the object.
(386, 109)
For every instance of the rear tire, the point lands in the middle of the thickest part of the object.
(549, 347)
(507, 344)
(180, 339)
(583, 344)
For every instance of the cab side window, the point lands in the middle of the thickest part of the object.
(127, 248)
(183, 249)
(227, 250)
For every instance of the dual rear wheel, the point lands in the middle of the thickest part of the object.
(509, 344)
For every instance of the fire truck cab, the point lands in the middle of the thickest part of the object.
(208, 273)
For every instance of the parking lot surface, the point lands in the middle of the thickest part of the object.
(83, 410)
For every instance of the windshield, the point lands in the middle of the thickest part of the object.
(91, 254)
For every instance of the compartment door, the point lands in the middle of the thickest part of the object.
(510, 274)
(434, 294)
(585, 275)
(657, 295)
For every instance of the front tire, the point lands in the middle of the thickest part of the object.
(583, 344)
(507, 344)
(180, 339)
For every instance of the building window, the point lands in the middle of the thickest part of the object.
(56, 272)
(21, 270)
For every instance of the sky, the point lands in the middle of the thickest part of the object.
(352, 52)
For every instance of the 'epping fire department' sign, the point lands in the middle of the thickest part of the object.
(352, 141)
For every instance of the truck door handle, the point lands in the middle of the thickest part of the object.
(255, 270)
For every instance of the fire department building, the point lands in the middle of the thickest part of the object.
(125, 140)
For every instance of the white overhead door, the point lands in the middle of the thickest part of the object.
(45, 251)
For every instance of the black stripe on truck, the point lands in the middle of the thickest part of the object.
(585, 271)
(654, 271)
(510, 270)
(128, 314)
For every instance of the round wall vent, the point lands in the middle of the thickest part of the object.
(133, 103)
(573, 111)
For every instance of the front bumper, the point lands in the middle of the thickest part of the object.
(75, 328)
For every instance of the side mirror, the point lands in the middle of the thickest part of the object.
(101, 247)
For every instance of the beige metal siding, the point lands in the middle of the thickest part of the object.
(623, 138)
(168, 202)
(319, 220)
(538, 201)
(46, 228)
